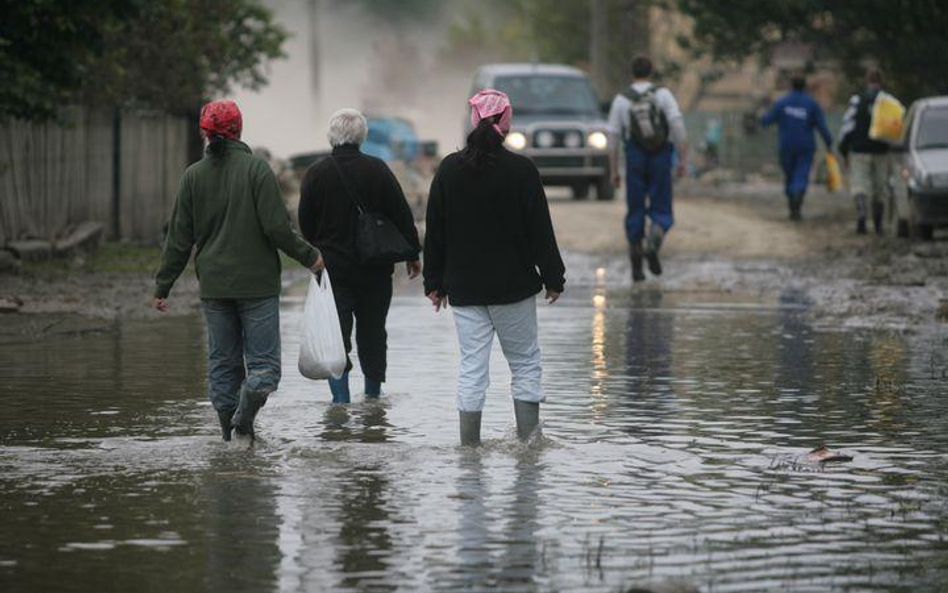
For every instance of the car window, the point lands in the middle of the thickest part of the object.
(543, 94)
(932, 128)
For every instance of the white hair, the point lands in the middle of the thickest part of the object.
(347, 126)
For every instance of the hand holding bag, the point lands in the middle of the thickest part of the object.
(322, 352)
(378, 240)
(834, 175)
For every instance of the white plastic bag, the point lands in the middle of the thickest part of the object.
(322, 353)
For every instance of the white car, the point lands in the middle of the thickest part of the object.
(920, 182)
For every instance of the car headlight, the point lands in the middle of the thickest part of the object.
(545, 139)
(573, 140)
(515, 140)
(920, 180)
(598, 140)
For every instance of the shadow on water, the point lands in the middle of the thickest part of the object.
(664, 417)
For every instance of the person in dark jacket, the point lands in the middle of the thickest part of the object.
(797, 114)
(328, 215)
(866, 159)
(489, 249)
(230, 212)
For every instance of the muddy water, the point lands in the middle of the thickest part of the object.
(673, 440)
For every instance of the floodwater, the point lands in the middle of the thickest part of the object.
(675, 433)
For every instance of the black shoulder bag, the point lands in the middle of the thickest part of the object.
(378, 240)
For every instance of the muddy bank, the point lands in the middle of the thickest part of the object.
(732, 242)
(736, 242)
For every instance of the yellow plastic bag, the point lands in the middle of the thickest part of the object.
(887, 114)
(834, 175)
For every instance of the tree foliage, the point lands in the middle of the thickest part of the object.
(905, 38)
(166, 54)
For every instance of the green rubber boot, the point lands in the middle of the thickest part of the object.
(528, 418)
(470, 428)
(226, 427)
(250, 404)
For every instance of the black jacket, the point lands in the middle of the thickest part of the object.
(489, 233)
(328, 215)
(854, 133)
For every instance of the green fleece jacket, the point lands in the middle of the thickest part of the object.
(229, 210)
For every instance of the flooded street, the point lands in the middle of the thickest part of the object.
(675, 441)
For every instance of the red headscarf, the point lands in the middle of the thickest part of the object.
(222, 118)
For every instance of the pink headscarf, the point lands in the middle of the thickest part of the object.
(489, 103)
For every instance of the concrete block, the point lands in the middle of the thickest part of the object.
(9, 262)
(86, 236)
(31, 250)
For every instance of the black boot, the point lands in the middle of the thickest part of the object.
(528, 418)
(654, 243)
(250, 404)
(226, 427)
(902, 229)
(635, 256)
(861, 226)
(877, 210)
(470, 428)
(796, 203)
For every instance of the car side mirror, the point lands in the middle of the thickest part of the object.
(605, 107)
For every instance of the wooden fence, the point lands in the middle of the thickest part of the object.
(54, 176)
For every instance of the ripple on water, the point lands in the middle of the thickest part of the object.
(675, 435)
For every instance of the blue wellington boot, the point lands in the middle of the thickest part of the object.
(373, 388)
(340, 389)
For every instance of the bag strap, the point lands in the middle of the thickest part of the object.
(345, 183)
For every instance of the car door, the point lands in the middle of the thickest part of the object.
(902, 166)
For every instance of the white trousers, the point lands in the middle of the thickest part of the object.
(516, 328)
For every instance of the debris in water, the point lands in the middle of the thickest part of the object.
(823, 454)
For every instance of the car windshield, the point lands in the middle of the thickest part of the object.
(933, 129)
(541, 94)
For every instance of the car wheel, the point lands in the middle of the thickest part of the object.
(919, 230)
(580, 191)
(604, 188)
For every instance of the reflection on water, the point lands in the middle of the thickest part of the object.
(664, 417)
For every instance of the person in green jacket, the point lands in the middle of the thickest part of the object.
(230, 212)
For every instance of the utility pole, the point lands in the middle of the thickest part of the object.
(637, 23)
(599, 46)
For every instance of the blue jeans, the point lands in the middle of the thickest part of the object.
(647, 175)
(243, 348)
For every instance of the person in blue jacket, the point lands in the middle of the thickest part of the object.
(797, 114)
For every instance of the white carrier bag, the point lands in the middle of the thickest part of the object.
(322, 353)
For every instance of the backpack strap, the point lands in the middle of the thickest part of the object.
(345, 184)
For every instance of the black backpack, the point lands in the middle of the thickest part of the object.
(648, 126)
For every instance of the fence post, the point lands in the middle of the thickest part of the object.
(117, 174)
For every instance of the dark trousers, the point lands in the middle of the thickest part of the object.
(796, 162)
(647, 175)
(366, 302)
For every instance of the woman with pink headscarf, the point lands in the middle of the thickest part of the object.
(489, 249)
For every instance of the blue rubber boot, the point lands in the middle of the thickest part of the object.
(340, 389)
(373, 388)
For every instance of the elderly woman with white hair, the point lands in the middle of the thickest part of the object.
(332, 194)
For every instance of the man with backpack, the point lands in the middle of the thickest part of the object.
(647, 120)
(866, 159)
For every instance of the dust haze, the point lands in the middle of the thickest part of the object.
(339, 55)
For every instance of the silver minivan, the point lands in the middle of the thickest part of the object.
(558, 122)
(920, 180)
